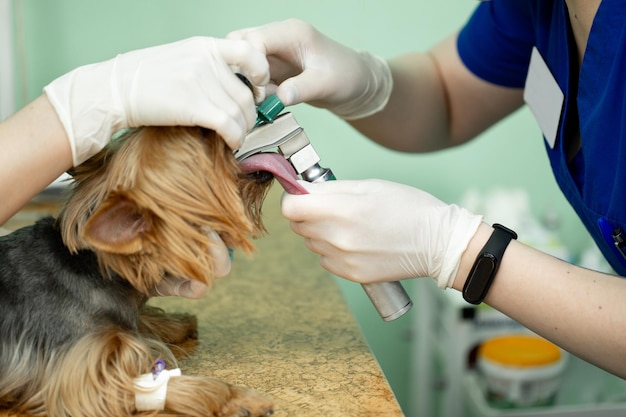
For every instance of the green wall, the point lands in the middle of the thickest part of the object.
(54, 36)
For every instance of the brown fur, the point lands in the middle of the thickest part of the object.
(162, 185)
(143, 205)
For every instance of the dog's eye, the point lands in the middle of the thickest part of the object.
(261, 176)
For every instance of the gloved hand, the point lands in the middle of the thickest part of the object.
(373, 230)
(181, 287)
(189, 82)
(307, 66)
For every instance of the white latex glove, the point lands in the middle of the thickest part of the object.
(309, 67)
(373, 230)
(174, 286)
(190, 82)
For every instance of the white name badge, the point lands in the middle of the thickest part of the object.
(544, 97)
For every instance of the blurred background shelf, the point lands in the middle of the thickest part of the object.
(447, 384)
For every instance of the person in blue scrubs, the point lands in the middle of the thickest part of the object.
(565, 59)
(189, 82)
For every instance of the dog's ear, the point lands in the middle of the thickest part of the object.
(118, 226)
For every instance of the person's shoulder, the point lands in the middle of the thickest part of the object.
(496, 42)
(532, 9)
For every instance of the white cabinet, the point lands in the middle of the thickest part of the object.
(7, 80)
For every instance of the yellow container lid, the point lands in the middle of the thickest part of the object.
(519, 351)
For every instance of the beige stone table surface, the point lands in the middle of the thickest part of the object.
(279, 324)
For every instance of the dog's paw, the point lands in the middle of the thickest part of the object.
(247, 403)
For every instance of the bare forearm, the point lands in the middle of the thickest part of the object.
(416, 116)
(35, 151)
(437, 103)
(576, 308)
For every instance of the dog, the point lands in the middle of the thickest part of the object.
(75, 329)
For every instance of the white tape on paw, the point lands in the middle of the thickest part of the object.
(152, 391)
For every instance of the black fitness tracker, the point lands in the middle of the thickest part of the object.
(486, 265)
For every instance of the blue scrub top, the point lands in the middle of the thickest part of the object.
(496, 45)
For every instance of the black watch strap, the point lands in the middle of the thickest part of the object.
(486, 265)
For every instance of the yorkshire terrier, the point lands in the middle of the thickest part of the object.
(75, 330)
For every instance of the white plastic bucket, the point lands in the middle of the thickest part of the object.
(520, 370)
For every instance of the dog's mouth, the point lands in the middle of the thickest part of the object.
(265, 165)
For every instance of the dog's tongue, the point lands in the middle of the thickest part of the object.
(277, 165)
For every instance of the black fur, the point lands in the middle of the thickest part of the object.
(50, 297)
